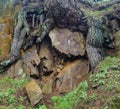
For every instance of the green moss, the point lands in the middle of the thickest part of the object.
(109, 62)
(98, 1)
(99, 13)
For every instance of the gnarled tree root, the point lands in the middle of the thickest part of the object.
(21, 30)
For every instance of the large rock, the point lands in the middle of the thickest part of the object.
(46, 57)
(34, 92)
(15, 70)
(31, 62)
(117, 43)
(67, 42)
(71, 75)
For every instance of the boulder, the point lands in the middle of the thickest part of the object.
(31, 62)
(46, 57)
(67, 42)
(71, 75)
(34, 92)
(15, 70)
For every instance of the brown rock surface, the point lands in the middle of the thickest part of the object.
(47, 87)
(34, 92)
(67, 42)
(46, 57)
(15, 70)
(31, 61)
(71, 75)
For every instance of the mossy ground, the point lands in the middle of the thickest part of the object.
(106, 85)
(12, 94)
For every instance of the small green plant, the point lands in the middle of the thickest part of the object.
(107, 66)
(101, 82)
(1, 96)
(18, 107)
(21, 98)
(73, 98)
(21, 82)
(11, 91)
(93, 96)
(21, 107)
(12, 99)
(8, 94)
(41, 107)
(106, 107)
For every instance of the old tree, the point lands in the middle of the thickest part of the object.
(37, 18)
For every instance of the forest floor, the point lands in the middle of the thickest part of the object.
(99, 91)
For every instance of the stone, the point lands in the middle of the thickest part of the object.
(47, 87)
(45, 51)
(71, 75)
(67, 42)
(31, 62)
(34, 92)
(46, 57)
(15, 70)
